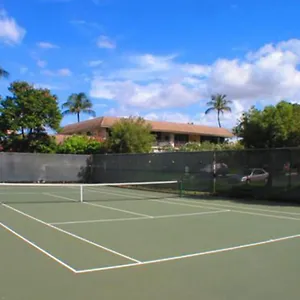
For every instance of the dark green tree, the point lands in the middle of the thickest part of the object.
(220, 104)
(77, 104)
(131, 135)
(274, 126)
(25, 117)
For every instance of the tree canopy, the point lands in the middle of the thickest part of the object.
(77, 104)
(130, 135)
(274, 126)
(26, 115)
(220, 104)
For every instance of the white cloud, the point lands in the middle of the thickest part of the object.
(64, 72)
(60, 72)
(47, 45)
(95, 63)
(41, 63)
(151, 83)
(100, 105)
(10, 32)
(90, 25)
(105, 42)
(23, 70)
(50, 86)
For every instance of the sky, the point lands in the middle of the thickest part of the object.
(159, 59)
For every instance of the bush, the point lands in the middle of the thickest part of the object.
(130, 135)
(207, 146)
(78, 144)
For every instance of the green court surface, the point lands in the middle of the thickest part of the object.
(141, 247)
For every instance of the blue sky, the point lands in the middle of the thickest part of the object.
(158, 59)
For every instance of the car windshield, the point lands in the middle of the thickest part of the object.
(247, 172)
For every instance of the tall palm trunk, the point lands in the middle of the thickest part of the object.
(219, 119)
(78, 117)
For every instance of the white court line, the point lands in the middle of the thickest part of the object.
(99, 221)
(248, 208)
(38, 248)
(72, 234)
(249, 212)
(177, 202)
(141, 218)
(155, 261)
(99, 205)
(118, 209)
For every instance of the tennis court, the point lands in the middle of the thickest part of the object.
(143, 241)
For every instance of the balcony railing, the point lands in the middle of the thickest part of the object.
(161, 143)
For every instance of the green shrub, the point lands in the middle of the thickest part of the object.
(79, 144)
(207, 146)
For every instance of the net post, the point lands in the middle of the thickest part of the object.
(81, 193)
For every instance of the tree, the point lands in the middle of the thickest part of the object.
(26, 115)
(3, 73)
(77, 104)
(220, 104)
(131, 135)
(273, 127)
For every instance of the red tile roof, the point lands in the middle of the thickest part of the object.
(157, 126)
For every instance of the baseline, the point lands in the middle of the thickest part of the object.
(246, 212)
(73, 235)
(247, 208)
(38, 248)
(181, 257)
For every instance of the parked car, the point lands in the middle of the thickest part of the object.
(221, 169)
(251, 175)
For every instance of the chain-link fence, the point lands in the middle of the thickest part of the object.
(263, 174)
(33, 167)
(269, 174)
(195, 168)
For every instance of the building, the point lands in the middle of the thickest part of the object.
(167, 133)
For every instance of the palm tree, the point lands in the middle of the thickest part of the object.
(3, 73)
(78, 103)
(220, 104)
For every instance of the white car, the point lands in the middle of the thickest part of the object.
(252, 175)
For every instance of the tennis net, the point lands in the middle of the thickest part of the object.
(52, 192)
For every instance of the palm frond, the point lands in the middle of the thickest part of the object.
(210, 103)
(209, 110)
(67, 112)
(227, 108)
(3, 73)
(89, 112)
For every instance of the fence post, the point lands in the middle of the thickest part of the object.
(214, 172)
(290, 170)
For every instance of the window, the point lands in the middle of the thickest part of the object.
(258, 172)
(184, 138)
